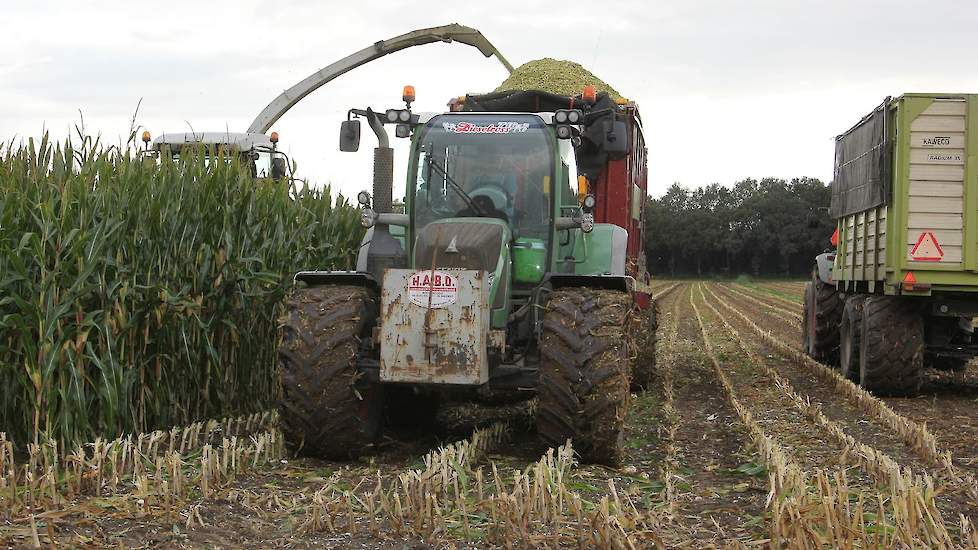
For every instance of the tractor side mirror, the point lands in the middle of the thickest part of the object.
(350, 136)
(615, 137)
(278, 168)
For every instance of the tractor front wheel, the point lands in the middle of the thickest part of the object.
(325, 409)
(850, 332)
(820, 321)
(583, 386)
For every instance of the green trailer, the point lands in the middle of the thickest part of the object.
(899, 292)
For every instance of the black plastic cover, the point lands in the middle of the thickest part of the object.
(863, 157)
(591, 156)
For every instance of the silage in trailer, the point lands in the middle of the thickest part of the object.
(136, 295)
(555, 76)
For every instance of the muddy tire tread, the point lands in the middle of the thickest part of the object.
(643, 374)
(321, 412)
(583, 390)
(892, 347)
(828, 316)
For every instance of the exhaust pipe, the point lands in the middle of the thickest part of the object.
(385, 251)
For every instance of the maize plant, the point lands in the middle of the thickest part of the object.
(138, 293)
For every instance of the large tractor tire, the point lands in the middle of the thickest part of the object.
(850, 332)
(583, 386)
(325, 409)
(821, 320)
(643, 373)
(891, 354)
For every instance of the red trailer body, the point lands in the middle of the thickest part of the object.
(620, 190)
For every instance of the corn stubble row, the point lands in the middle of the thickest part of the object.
(453, 497)
(787, 315)
(819, 509)
(137, 295)
(155, 471)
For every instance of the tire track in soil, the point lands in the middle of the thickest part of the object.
(711, 444)
(947, 402)
(810, 446)
(835, 406)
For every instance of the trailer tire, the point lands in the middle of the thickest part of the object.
(891, 354)
(643, 375)
(850, 331)
(325, 409)
(583, 385)
(820, 321)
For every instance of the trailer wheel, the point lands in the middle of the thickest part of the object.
(849, 337)
(891, 351)
(325, 409)
(821, 320)
(643, 374)
(583, 386)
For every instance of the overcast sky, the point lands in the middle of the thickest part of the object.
(727, 89)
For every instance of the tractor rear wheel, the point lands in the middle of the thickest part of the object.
(325, 409)
(849, 335)
(583, 386)
(891, 354)
(820, 322)
(645, 339)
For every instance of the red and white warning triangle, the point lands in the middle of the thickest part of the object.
(927, 248)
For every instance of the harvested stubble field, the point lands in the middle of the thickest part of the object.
(742, 442)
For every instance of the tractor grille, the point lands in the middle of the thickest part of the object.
(477, 244)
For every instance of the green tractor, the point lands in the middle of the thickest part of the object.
(505, 278)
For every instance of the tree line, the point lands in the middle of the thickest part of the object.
(767, 227)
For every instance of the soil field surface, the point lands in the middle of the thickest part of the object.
(740, 442)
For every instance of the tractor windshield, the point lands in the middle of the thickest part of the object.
(485, 165)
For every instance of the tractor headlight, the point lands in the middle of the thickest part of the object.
(391, 115)
(368, 217)
(589, 202)
(587, 223)
(403, 130)
(363, 198)
(568, 116)
(404, 116)
(564, 132)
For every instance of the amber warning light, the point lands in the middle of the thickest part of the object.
(408, 94)
(146, 136)
(589, 94)
(910, 283)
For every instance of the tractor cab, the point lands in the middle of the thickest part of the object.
(258, 152)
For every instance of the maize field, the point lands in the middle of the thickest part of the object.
(136, 295)
(742, 441)
(138, 310)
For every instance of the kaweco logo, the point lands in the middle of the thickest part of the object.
(937, 141)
